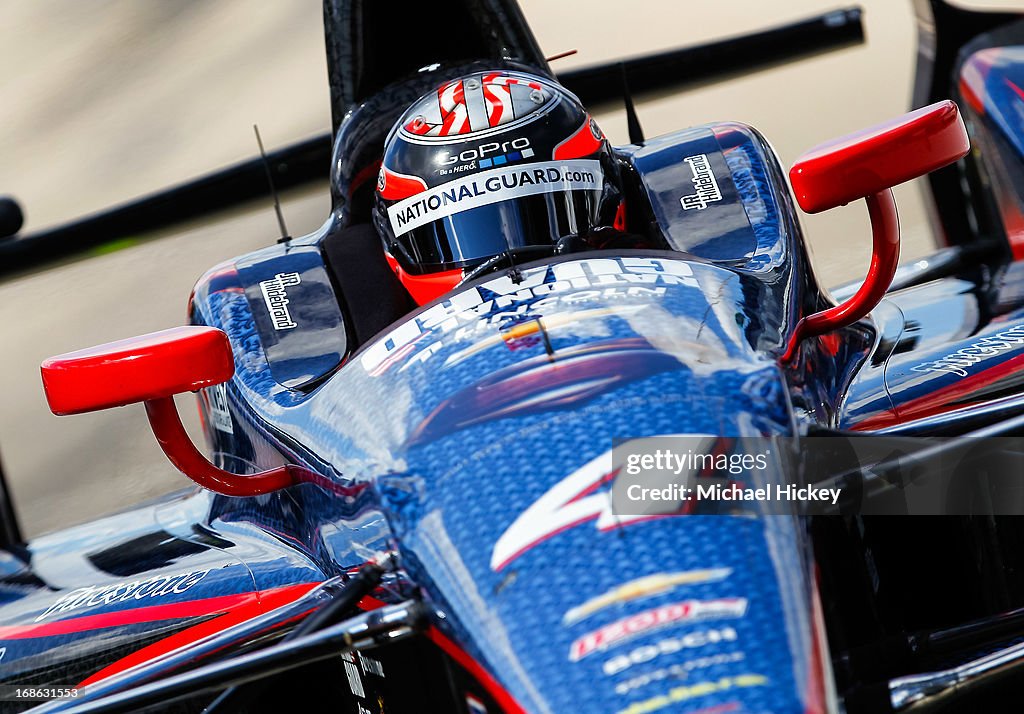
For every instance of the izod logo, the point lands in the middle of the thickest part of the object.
(656, 619)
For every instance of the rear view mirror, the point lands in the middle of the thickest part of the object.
(874, 160)
(867, 165)
(153, 366)
(152, 369)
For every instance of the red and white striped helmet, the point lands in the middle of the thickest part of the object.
(487, 162)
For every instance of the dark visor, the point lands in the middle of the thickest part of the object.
(470, 237)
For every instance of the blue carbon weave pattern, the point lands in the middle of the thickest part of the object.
(467, 495)
(449, 496)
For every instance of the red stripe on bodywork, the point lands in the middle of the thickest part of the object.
(465, 660)
(131, 616)
(245, 607)
(817, 696)
(497, 692)
(972, 78)
(952, 397)
(1019, 92)
(363, 175)
(1012, 218)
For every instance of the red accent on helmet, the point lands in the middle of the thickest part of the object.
(418, 126)
(454, 112)
(397, 186)
(498, 98)
(425, 288)
(582, 143)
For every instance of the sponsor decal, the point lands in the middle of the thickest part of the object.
(488, 154)
(506, 158)
(704, 183)
(369, 665)
(984, 348)
(355, 681)
(492, 186)
(220, 415)
(667, 646)
(357, 664)
(653, 620)
(720, 708)
(689, 692)
(677, 671)
(523, 334)
(576, 499)
(474, 705)
(157, 586)
(643, 587)
(275, 295)
(493, 304)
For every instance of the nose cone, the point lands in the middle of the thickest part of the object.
(507, 405)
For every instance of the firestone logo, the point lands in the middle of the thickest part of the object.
(159, 586)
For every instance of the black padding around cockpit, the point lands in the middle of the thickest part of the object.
(369, 292)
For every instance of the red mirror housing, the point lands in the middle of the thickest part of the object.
(160, 364)
(152, 369)
(873, 160)
(867, 165)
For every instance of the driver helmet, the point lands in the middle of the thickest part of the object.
(492, 162)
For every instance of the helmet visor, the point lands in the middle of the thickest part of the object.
(470, 237)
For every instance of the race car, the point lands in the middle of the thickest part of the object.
(643, 464)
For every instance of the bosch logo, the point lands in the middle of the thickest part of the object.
(484, 150)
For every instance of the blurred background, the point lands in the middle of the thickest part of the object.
(106, 100)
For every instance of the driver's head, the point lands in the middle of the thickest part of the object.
(487, 162)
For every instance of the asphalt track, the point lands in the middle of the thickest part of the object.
(102, 100)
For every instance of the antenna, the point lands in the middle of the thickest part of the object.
(560, 55)
(273, 190)
(636, 132)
